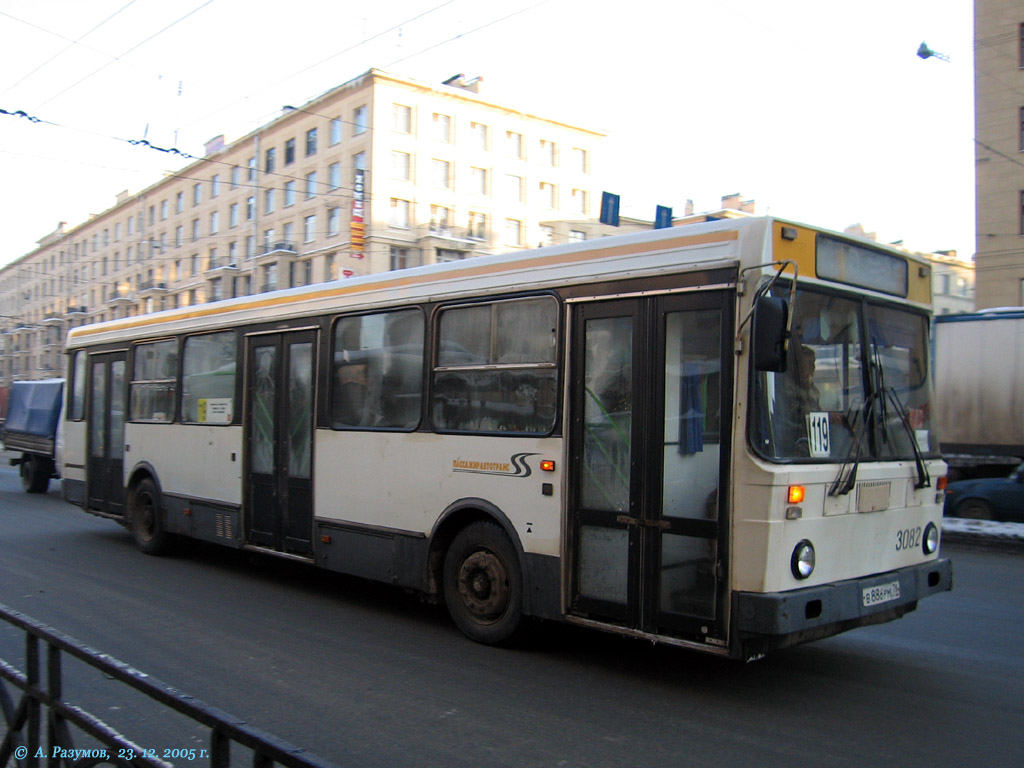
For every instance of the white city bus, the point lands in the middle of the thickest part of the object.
(609, 433)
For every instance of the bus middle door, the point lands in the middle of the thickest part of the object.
(279, 441)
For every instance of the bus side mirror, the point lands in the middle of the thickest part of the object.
(771, 318)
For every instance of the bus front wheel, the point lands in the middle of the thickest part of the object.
(35, 473)
(147, 523)
(483, 583)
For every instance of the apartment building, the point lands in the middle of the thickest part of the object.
(999, 151)
(380, 173)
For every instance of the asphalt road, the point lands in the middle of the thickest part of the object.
(365, 675)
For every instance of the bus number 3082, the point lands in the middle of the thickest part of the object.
(909, 538)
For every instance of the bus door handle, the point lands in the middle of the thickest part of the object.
(626, 519)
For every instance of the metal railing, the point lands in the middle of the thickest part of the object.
(42, 710)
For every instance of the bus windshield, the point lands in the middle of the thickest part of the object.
(857, 385)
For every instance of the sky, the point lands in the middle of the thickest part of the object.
(820, 111)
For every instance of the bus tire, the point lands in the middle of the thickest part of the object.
(35, 474)
(483, 583)
(146, 522)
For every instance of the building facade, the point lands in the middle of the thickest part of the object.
(999, 151)
(379, 173)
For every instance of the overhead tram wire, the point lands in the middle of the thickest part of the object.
(125, 53)
(65, 49)
(320, 63)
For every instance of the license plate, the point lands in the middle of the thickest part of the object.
(881, 593)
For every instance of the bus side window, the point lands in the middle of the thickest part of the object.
(377, 376)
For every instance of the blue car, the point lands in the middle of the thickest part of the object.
(990, 498)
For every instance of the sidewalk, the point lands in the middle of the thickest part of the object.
(983, 532)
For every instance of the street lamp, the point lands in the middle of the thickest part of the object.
(926, 53)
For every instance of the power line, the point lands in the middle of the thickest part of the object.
(125, 53)
(65, 49)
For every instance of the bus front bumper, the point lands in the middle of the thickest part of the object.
(764, 622)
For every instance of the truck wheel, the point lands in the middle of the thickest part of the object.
(147, 522)
(35, 474)
(974, 509)
(483, 583)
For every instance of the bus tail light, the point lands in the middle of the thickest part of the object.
(547, 465)
(796, 494)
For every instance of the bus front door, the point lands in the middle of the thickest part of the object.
(105, 417)
(279, 441)
(650, 446)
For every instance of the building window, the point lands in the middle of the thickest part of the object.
(310, 185)
(270, 160)
(478, 181)
(215, 185)
(399, 213)
(399, 258)
(442, 174)
(289, 152)
(359, 161)
(309, 229)
(336, 124)
(250, 208)
(445, 255)
(477, 226)
(547, 235)
(311, 142)
(195, 231)
(361, 118)
(334, 175)
(547, 194)
(236, 174)
(547, 152)
(197, 194)
(479, 134)
(289, 193)
(252, 169)
(513, 188)
(513, 232)
(514, 144)
(163, 211)
(214, 222)
(333, 221)
(268, 201)
(580, 160)
(401, 118)
(440, 218)
(179, 236)
(579, 201)
(442, 128)
(401, 164)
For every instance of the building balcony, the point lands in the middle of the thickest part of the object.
(152, 288)
(456, 238)
(54, 319)
(75, 312)
(275, 252)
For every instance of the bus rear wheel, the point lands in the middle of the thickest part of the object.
(483, 583)
(147, 523)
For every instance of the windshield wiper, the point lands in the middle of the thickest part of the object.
(880, 396)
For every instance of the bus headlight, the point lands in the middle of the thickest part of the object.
(802, 562)
(930, 542)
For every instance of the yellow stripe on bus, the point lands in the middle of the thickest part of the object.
(480, 270)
